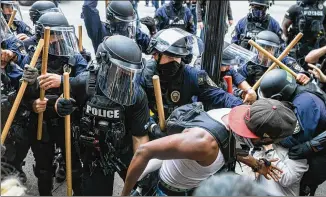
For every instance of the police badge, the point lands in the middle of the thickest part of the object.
(175, 96)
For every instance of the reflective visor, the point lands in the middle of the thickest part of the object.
(242, 55)
(119, 81)
(11, 6)
(271, 47)
(169, 36)
(63, 41)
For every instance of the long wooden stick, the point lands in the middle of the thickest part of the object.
(20, 94)
(281, 57)
(43, 72)
(270, 56)
(159, 101)
(12, 18)
(80, 38)
(66, 93)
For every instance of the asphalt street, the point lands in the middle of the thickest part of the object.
(72, 10)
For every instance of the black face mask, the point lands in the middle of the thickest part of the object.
(177, 4)
(169, 69)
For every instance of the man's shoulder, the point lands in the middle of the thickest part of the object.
(307, 100)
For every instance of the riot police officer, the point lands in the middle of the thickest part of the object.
(308, 17)
(242, 88)
(12, 59)
(35, 12)
(256, 21)
(309, 107)
(179, 81)
(120, 20)
(63, 54)
(175, 14)
(254, 69)
(115, 113)
(19, 28)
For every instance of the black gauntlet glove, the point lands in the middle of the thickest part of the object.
(301, 151)
(30, 74)
(150, 24)
(65, 106)
(155, 131)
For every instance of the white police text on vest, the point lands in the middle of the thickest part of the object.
(114, 113)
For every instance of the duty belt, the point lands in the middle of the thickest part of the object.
(173, 191)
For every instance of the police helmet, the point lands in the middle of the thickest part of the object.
(229, 60)
(40, 7)
(173, 42)
(270, 42)
(309, 2)
(264, 3)
(177, 4)
(63, 37)
(121, 65)
(277, 84)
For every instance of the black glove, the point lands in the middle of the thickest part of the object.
(150, 24)
(301, 151)
(155, 132)
(65, 107)
(30, 74)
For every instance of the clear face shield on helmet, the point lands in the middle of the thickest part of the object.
(7, 9)
(5, 30)
(63, 41)
(270, 47)
(119, 80)
(168, 37)
(241, 54)
(122, 26)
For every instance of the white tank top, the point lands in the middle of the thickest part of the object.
(188, 174)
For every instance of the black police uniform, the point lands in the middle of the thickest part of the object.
(107, 127)
(53, 125)
(308, 18)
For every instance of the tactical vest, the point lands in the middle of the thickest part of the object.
(254, 71)
(176, 19)
(103, 121)
(193, 115)
(252, 29)
(310, 21)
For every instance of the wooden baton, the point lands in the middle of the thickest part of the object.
(12, 18)
(159, 101)
(80, 38)
(281, 57)
(228, 80)
(270, 56)
(20, 94)
(43, 72)
(66, 93)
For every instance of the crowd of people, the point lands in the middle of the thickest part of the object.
(218, 138)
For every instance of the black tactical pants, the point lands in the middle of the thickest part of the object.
(316, 174)
(95, 183)
(53, 133)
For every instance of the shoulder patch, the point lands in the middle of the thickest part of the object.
(201, 77)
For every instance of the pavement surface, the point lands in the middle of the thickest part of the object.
(72, 10)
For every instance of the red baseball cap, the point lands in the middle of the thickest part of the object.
(265, 118)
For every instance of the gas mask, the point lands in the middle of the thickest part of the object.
(258, 13)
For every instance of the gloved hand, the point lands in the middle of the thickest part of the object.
(65, 106)
(301, 151)
(155, 132)
(30, 74)
(150, 24)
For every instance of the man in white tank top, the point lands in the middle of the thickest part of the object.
(194, 154)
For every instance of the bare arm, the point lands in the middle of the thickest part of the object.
(137, 141)
(195, 145)
(314, 55)
(285, 26)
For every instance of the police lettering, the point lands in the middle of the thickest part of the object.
(102, 112)
(180, 22)
(313, 13)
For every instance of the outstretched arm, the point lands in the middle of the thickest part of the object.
(191, 144)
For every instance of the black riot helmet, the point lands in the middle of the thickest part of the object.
(277, 84)
(121, 18)
(270, 42)
(264, 3)
(63, 40)
(39, 8)
(121, 65)
(309, 2)
(173, 42)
